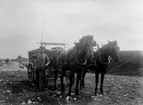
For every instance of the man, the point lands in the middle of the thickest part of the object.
(41, 61)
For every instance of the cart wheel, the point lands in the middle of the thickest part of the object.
(30, 73)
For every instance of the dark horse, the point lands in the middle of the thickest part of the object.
(73, 61)
(99, 62)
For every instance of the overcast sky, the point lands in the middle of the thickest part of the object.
(23, 21)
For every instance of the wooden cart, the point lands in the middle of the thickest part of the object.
(31, 71)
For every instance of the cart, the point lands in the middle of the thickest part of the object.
(31, 71)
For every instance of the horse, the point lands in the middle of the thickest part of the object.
(99, 62)
(73, 60)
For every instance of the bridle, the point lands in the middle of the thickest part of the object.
(100, 57)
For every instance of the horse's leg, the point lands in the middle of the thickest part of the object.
(77, 82)
(83, 76)
(55, 79)
(71, 80)
(80, 81)
(62, 82)
(96, 82)
(102, 80)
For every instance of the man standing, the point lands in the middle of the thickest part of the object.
(41, 61)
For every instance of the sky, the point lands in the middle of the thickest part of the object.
(23, 21)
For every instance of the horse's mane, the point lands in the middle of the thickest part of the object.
(109, 44)
(106, 48)
(83, 46)
(86, 40)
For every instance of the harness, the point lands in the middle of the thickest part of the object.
(100, 59)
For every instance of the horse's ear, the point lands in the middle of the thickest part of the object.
(92, 37)
(115, 42)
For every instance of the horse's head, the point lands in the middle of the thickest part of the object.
(84, 47)
(113, 49)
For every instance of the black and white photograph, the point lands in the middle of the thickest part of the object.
(71, 52)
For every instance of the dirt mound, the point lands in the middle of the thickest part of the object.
(129, 63)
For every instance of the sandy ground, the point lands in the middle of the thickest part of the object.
(119, 90)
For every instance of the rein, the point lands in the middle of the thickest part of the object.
(121, 64)
(93, 61)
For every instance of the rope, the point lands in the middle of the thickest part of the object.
(93, 61)
(121, 64)
(50, 72)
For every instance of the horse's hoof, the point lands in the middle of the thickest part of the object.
(69, 94)
(79, 96)
(54, 88)
(63, 89)
(102, 93)
(95, 93)
(68, 97)
(76, 93)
